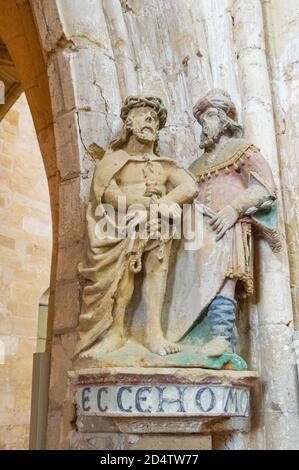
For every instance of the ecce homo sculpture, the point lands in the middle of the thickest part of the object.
(230, 187)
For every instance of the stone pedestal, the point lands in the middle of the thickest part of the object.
(151, 409)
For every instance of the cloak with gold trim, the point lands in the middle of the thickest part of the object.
(234, 176)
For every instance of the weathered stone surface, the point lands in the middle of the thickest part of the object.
(167, 375)
(92, 423)
(110, 441)
(102, 441)
(70, 212)
(95, 424)
(68, 260)
(172, 48)
(278, 350)
(63, 346)
(67, 306)
(281, 30)
(69, 146)
(168, 442)
(281, 430)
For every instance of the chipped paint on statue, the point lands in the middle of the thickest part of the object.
(238, 200)
(130, 171)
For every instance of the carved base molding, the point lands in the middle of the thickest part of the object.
(128, 402)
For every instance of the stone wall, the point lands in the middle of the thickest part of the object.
(91, 55)
(281, 28)
(105, 49)
(25, 253)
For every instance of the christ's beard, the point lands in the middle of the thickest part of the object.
(145, 136)
(210, 137)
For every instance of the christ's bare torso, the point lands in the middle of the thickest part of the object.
(137, 175)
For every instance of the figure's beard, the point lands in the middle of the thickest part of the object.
(145, 136)
(210, 136)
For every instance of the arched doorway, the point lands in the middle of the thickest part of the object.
(25, 254)
(22, 68)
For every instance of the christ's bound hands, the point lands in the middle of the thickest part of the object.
(136, 218)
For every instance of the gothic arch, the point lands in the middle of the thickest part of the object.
(20, 36)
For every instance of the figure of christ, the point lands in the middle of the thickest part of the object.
(131, 169)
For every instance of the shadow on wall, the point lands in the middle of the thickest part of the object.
(40, 379)
(42, 323)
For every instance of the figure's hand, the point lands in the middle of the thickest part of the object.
(224, 220)
(136, 218)
(170, 211)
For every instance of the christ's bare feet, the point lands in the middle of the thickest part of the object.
(113, 341)
(161, 346)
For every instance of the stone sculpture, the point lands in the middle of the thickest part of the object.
(237, 199)
(132, 171)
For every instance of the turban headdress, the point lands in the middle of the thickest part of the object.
(218, 99)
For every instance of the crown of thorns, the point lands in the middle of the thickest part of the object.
(141, 102)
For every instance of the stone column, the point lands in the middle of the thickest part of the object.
(273, 307)
(282, 25)
(85, 98)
